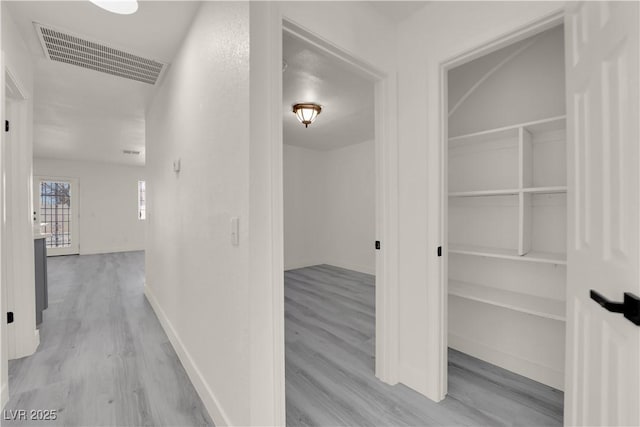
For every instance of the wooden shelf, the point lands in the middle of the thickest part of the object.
(538, 306)
(480, 193)
(509, 192)
(511, 254)
(551, 123)
(545, 190)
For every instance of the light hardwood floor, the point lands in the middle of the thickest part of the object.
(330, 367)
(103, 358)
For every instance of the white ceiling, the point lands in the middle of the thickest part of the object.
(84, 114)
(346, 96)
(397, 11)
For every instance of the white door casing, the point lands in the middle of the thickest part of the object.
(603, 348)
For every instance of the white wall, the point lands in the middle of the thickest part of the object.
(436, 33)
(350, 217)
(329, 207)
(197, 281)
(108, 203)
(17, 237)
(305, 188)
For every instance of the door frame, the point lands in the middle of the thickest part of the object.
(539, 25)
(22, 338)
(75, 208)
(4, 355)
(386, 171)
(386, 291)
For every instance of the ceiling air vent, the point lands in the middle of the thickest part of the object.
(136, 152)
(62, 46)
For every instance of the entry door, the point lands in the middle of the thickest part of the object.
(56, 210)
(603, 348)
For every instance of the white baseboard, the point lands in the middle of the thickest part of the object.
(348, 266)
(527, 368)
(109, 251)
(211, 403)
(4, 394)
(301, 264)
(353, 267)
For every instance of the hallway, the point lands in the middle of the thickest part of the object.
(103, 358)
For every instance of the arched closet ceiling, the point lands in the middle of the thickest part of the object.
(483, 92)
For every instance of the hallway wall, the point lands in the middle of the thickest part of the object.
(197, 280)
(108, 203)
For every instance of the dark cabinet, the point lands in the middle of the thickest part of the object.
(42, 297)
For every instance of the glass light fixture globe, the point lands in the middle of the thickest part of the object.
(121, 7)
(306, 113)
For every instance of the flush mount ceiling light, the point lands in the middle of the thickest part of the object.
(121, 7)
(307, 113)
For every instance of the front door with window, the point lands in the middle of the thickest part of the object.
(56, 210)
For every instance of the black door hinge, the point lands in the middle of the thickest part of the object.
(6, 125)
(378, 244)
(9, 317)
(439, 250)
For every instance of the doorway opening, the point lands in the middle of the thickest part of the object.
(330, 226)
(505, 212)
(56, 213)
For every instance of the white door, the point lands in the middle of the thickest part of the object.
(56, 210)
(603, 348)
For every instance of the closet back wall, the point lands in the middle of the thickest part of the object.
(329, 207)
(108, 203)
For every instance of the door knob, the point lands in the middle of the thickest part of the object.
(629, 307)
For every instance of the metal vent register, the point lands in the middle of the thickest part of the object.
(61, 46)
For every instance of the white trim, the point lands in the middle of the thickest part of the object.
(339, 264)
(513, 36)
(19, 295)
(386, 352)
(110, 251)
(353, 267)
(535, 371)
(215, 410)
(302, 264)
(276, 234)
(4, 354)
(4, 394)
(17, 91)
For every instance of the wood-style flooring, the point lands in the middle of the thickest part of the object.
(104, 359)
(329, 320)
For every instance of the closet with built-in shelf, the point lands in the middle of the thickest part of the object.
(506, 167)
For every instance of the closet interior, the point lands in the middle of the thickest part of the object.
(507, 211)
